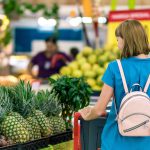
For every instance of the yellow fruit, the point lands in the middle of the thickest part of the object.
(77, 73)
(108, 47)
(102, 58)
(86, 67)
(89, 74)
(106, 56)
(55, 76)
(100, 71)
(79, 56)
(92, 59)
(91, 81)
(95, 67)
(96, 88)
(99, 80)
(112, 57)
(81, 61)
(8, 80)
(106, 65)
(87, 51)
(12, 78)
(73, 65)
(97, 52)
(65, 71)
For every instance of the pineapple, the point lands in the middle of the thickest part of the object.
(14, 130)
(58, 124)
(23, 105)
(35, 127)
(23, 100)
(43, 123)
(10, 127)
(50, 107)
(24, 123)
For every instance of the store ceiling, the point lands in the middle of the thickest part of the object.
(70, 2)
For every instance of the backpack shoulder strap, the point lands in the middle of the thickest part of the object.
(147, 84)
(122, 76)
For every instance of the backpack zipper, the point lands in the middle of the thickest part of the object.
(137, 126)
(133, 115)
(132, 97)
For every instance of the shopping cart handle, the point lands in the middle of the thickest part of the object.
(76, 131)
(77, 115)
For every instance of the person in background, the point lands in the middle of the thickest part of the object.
(50, 60)
(4, 63)
(73, 52)
(133, 43)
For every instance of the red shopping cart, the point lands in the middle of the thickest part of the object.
(87, 134)
(76, 132)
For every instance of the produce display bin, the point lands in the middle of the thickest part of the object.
(41, 143)
(32, 145)
(87, 134)
(59, 138)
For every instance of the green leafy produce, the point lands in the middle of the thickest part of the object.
(72, 94)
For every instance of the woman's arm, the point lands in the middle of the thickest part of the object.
(89, 113)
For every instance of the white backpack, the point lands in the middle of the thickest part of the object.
(134, 113)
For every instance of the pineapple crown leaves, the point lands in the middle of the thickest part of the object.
(73, 93)
(47, 103)
(5, 102)
(3, 113)
(23, 101)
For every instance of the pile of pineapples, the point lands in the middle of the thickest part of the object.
(26, 115)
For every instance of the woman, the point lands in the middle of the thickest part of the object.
(133, 43)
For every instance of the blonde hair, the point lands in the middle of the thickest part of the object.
(135, 38)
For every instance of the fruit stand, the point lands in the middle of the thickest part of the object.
(91, 64)
(34, 120)
(41, 143)
(39, 119)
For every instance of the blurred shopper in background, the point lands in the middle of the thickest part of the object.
(48, 61)
(4, 63)
(73, 52)
(133, 43)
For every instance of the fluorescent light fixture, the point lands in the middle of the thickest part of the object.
(102, 20)
(52, 22)
(74, 21)
(87, 20)
(43, 22)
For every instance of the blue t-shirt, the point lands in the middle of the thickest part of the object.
(136, 70)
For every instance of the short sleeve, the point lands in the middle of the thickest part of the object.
(108, 77)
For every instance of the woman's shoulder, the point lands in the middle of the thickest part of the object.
(130, 59)
(112, 64)
(129, 62)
